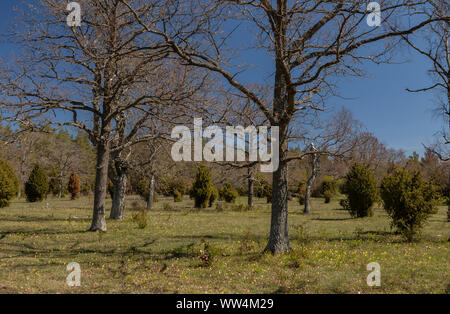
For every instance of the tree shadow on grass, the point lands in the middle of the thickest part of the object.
(380, 233)
(39, 232)
(332, 219)
(26, 250)
(41, 219)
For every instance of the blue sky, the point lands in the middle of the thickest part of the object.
(398, 118)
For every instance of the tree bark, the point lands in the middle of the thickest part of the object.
(307, 208)
(282, 99)
(151, 189)
(448, 212)
(251, 181)
(118, 202)
(279, 237)
(314, 170)
(101, 181)
(60, 179)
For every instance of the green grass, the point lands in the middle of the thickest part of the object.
(330, 251)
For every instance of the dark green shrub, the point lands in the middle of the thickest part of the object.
(36, 187)
(214, 196)
(10, 172)
(344, 203)
(329, 188)
(140, 217)
(201, 187)
(361, 190)
(408, 200)
(328, 195)
(53, 182)
(53, 186)
(228, 193)
(9, 185)
(177, 197)
(74, 186)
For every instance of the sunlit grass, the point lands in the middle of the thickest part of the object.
(330, 251)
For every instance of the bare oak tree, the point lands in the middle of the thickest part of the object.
(433, 43)
(308, 41)
(85, 77)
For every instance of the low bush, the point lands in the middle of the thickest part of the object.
(228, 193)
(140, 218)
(74, 186)
(201, 187)
(214, 196)
(209, 253)
(361, 190)
(329, 188)
(408, 200)
(177, 197)
(8, 186)
(36, 187)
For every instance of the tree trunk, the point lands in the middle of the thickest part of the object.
(279, 237)
(118, 202)
(307, 209)
(314, 171)
(251, 181)
(151, 189)
(60, 186)
(101, 181)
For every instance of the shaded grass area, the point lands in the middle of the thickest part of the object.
(330, 251)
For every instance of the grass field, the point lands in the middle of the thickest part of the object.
(330, 251)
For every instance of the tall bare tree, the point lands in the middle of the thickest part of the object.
(433, 43)
(308, 42)
(85, 77)
(175, 93)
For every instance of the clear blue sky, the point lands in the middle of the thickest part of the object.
(398, 118)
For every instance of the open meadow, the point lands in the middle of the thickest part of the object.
(215, 250)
